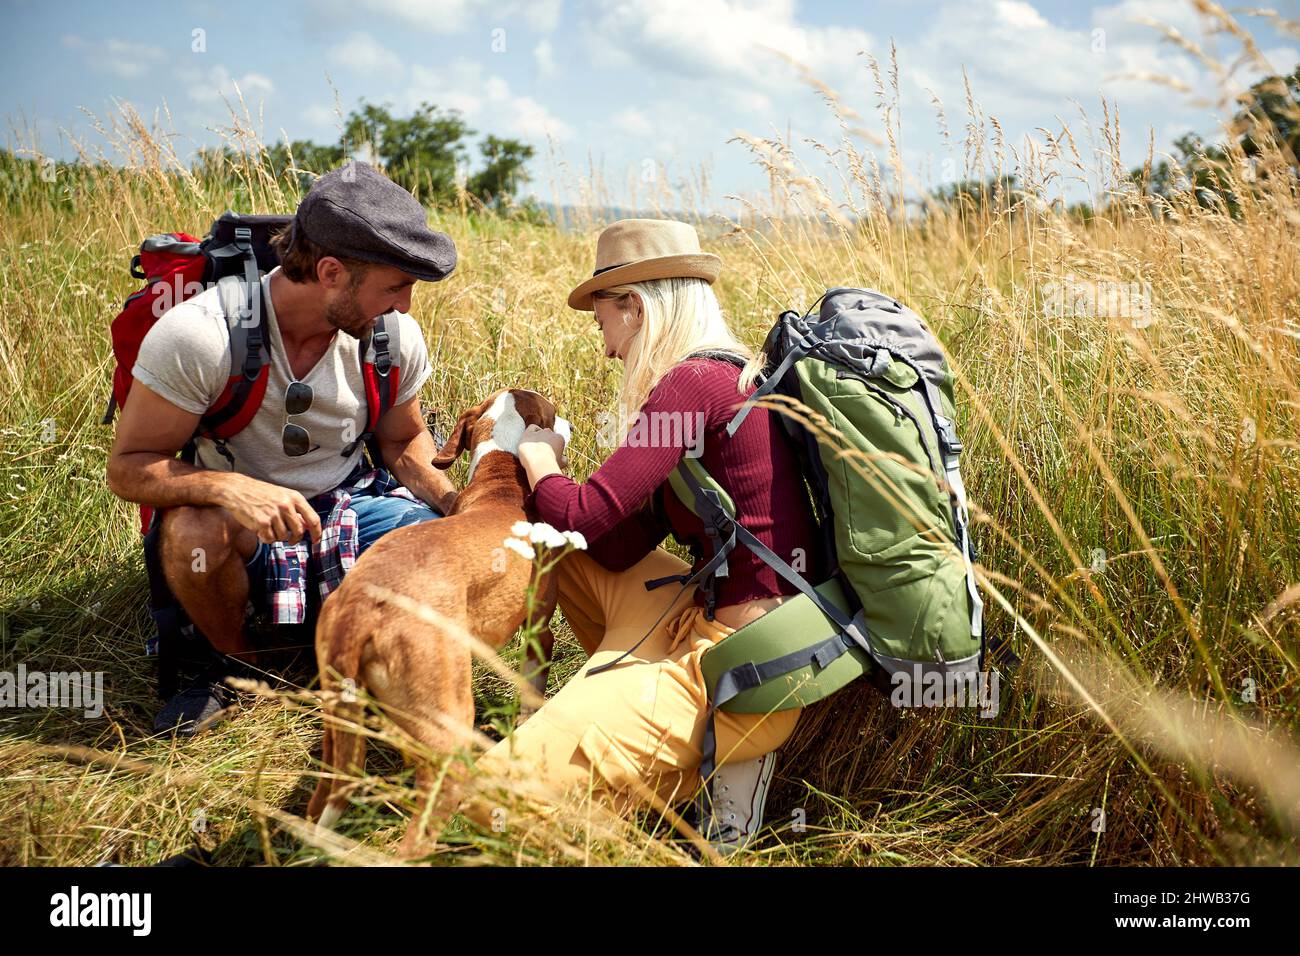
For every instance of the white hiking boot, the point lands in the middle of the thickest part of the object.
(739, 793)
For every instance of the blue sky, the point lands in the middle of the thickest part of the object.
(647, 91)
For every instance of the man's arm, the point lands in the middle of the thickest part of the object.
(408, 451)
(143, 467)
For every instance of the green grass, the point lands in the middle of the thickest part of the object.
(1169, 443)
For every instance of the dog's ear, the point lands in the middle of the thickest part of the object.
(459, 438)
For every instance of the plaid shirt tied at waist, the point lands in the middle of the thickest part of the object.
(331, 557)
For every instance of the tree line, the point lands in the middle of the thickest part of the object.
(425, 152)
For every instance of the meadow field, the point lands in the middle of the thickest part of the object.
(1129, 395)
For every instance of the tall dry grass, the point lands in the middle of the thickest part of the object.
(1129, 402)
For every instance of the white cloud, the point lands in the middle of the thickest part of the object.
(545, 57)
(485, 101)
(322, 117)
(541, 15)
(447, 16)
(364, 54)
(727, 40)
(211, 85)
(120, 57)
(1282, 59)
(632, 122)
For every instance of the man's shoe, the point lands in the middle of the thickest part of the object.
(739, 795)
(193, 709)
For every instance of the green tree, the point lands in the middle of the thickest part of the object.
(1205, 170)
(212, 161)
(977, 194)
(1201, 169)
(497, 182)
(1273, 105)
(420, 152)
(305, 156)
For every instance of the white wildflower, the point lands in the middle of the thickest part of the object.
(545, 534)
(576, 539)
(522, 548)
(521, 529)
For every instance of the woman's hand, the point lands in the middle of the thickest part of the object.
(536, 435)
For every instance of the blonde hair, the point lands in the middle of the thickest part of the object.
(679, 316)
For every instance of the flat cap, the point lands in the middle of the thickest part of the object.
(357, 211)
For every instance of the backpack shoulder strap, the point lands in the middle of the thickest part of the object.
(381, 375)
(250, 362)
(723, 355)
(679, 479)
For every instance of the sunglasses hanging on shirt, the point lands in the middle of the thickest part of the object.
(295, 439)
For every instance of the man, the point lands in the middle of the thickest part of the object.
(287, 500)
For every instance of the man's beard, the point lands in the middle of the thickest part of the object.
(344, 313)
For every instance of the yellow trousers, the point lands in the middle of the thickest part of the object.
(641, 722)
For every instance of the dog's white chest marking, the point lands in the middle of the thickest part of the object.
(507, 429)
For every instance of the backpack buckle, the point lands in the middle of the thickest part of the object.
(948, 437)
(383, 361)
(719, 522)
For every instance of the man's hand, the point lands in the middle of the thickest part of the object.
(408, 451)
(142, 467)
(269, 511)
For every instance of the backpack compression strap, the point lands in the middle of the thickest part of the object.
(381, 374)
(250, 363)
(950, 448)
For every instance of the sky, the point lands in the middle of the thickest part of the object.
(648, 93)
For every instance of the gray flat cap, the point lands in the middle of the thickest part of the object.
(357, 211)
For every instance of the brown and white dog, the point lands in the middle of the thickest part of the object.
(372, 634)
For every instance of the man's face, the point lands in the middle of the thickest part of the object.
(353, 302)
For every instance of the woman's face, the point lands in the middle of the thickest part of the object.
(619, 321)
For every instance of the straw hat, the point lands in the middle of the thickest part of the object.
(633, 250)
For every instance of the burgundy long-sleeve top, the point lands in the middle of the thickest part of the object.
(626, 508)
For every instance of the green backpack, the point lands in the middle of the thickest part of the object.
(900, 601)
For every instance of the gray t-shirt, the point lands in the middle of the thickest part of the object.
(185, 358)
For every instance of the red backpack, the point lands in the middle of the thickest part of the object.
(234, 255)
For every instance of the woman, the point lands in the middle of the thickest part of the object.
(641, 724)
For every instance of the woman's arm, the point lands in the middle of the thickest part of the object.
(671, 424)
(632, 539)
